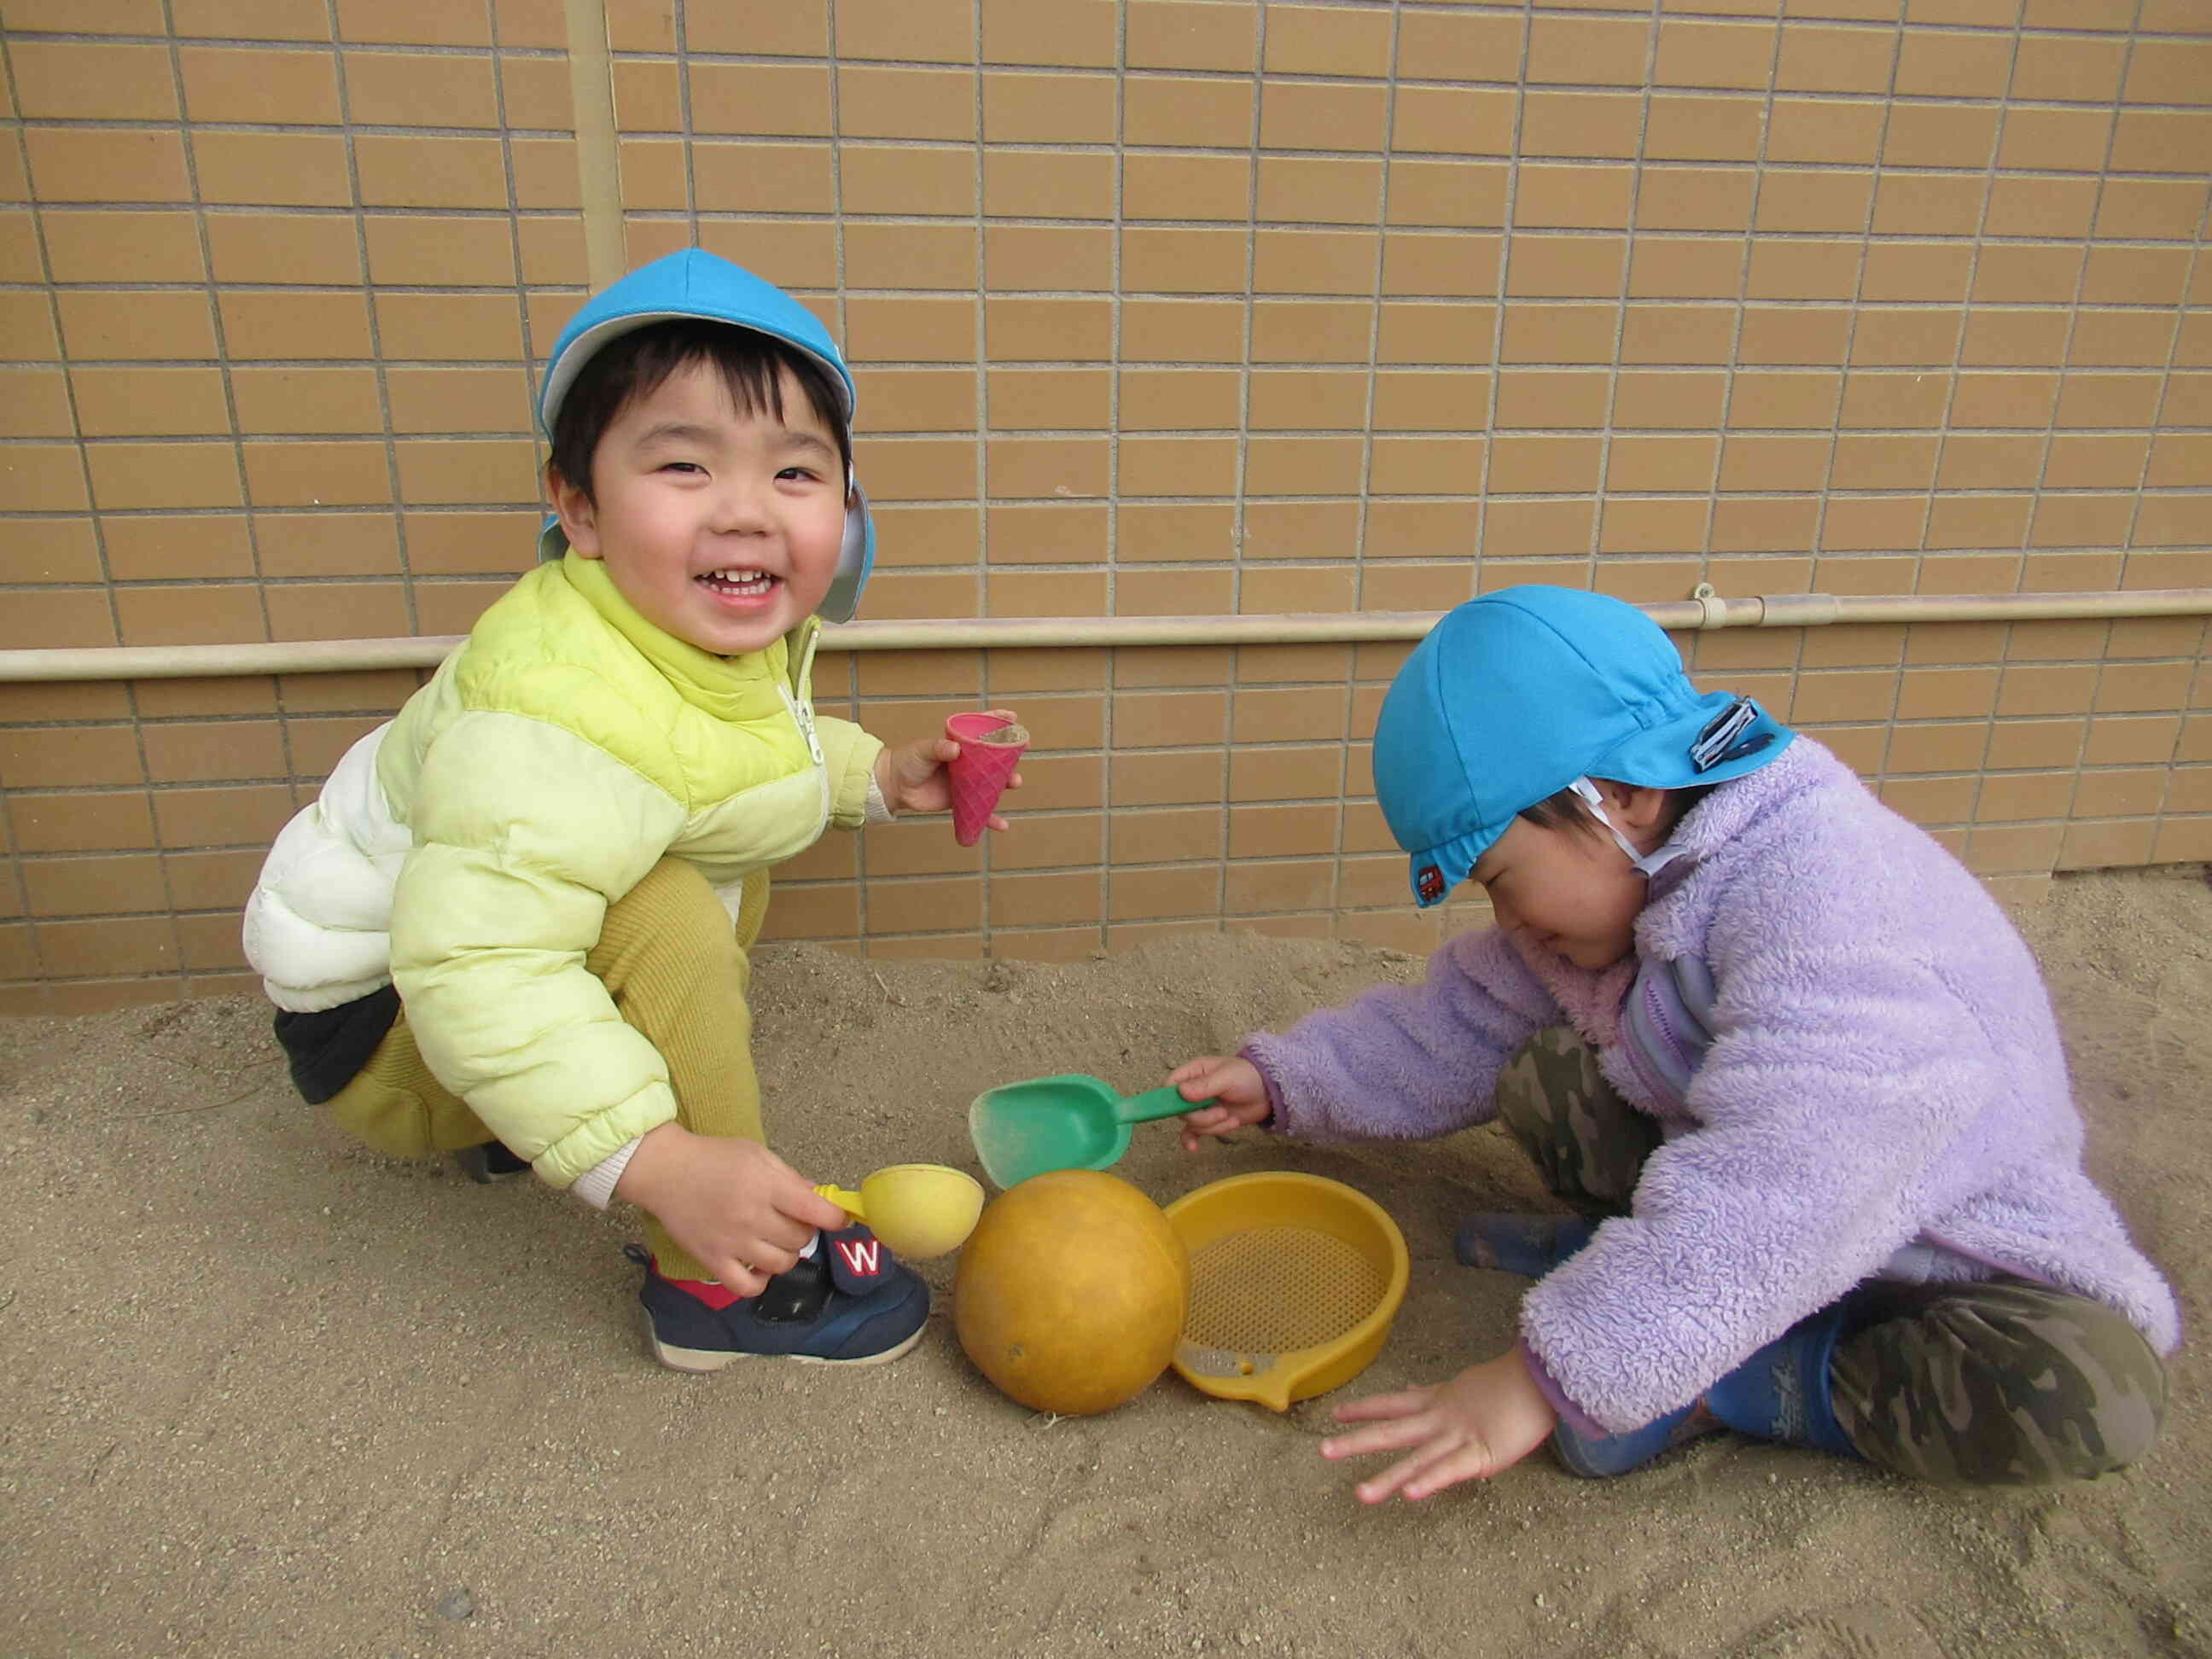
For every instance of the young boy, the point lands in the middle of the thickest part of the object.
(515, 926)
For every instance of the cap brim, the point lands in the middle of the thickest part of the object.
(560, 373)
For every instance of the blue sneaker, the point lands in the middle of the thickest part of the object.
(1601, 1456)
(849, 1303)
(1530, 1245)
(1781, 1393)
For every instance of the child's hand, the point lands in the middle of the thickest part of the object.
(735, 1205)
(912, 778)
(1239, 1096)
(1481, 1422)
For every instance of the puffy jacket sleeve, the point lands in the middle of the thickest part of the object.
(1407, 1061)
(848, 755)
(524, 834)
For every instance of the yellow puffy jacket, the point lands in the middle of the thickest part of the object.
(467, 850)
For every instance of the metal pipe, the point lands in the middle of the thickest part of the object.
(147, 662)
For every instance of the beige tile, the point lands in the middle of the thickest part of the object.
(430, 172)
(1441, 46)
(283, 169)
(336, 610)
(295, 325)
(329, 544)
(104, 165)
(1149, 531)
(160, 548)
(1455, 194)
(1307, 399)
(1300, 529)
(1059, 33)
(142, 401)
(1048, 256)
(1426, 466)
(1177, 466)
(431, 251)
(908, 180)
(1818, 201)
(1565, 267)
(28, 328)
(1307, 115)
(1438, 400)
(1597, 125)
(930, 104)
(1312, 331)
(1713, 54)
(75, 950)
(1314, 189)
(911, 256)
(118, 246)
(459, 399)
(2075, 139)
(81, 80)
(1314, 262)
(34, 403)
(268, 87)
(166, 476)
(1703, 129)
(1302, 466)
(1190, 34)
(299, 401)
(1186, 187)
(58, 16)
(271, 248)
(764, 99)
(1155, 399)
(316, 474)
(1050, 108)
(1167, 260)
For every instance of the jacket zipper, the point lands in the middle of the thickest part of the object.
(802, 714)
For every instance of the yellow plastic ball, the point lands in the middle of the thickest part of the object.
(1071, 1292)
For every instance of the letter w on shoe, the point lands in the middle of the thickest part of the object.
(863, 1257)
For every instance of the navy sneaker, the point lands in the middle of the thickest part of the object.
(490, 1162)
(1529, 1245)
(849, 1303)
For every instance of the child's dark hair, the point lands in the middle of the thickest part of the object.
(1565, 810)
(635, 364)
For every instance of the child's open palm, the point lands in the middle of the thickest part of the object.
(1474, 1426)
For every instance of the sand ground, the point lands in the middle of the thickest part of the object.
(265, 1393)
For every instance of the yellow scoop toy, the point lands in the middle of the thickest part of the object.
(920, 1210)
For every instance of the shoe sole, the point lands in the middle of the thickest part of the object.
(699, 1361)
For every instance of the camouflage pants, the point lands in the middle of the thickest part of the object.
(2003, 1382)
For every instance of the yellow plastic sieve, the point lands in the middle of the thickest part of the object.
(1294, 1280)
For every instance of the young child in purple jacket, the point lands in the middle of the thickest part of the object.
(1790, 1062)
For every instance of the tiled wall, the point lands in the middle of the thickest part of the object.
(1168, 306)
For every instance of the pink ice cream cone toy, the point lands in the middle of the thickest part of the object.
(990, 747)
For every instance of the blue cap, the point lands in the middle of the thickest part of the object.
(695, 285)
(1514, 695)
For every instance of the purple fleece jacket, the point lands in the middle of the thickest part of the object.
(1885, 1068)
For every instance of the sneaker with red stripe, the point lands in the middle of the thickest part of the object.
(849, 1303)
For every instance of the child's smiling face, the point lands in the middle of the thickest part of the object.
(719, 526)
(1570, 890)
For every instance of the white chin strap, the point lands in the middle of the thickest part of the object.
(1646, 863)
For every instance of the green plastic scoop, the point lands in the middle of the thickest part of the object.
(1072, 1122)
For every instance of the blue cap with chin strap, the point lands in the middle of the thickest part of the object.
(695, 285)
(1515, 695)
